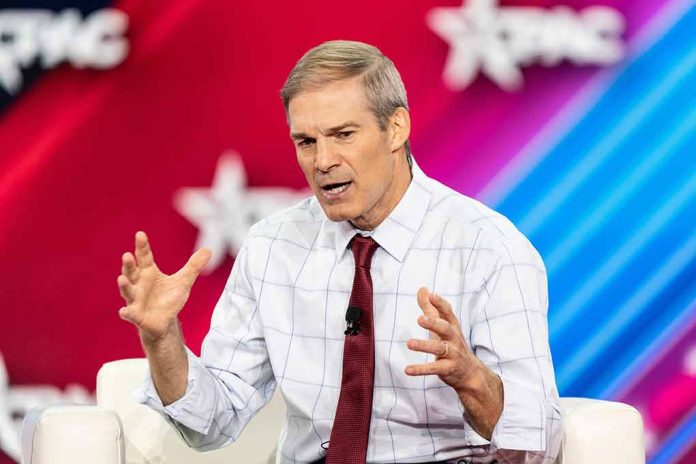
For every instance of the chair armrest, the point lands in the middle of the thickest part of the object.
(72, 435)
(601, 431)
(150, 438)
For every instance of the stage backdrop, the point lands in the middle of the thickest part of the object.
(165, 116)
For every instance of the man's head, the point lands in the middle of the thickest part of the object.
(348, 115)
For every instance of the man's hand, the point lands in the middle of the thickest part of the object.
(479, 389)
(154, 299)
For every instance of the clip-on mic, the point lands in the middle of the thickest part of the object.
(353, 315)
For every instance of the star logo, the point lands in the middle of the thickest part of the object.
(497, 41)
(224, 212)
(471, 32)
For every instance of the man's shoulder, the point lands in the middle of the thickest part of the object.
(474, 218)
(300, 220)
(468, 212)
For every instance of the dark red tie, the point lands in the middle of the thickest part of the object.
(351, 427)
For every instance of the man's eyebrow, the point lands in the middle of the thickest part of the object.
(330, 131)
(299, 135)
(340, 127)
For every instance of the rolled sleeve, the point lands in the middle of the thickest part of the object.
(522, 424)
(194, 408)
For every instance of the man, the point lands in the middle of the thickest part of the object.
(402, 321)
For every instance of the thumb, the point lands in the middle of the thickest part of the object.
(195, 264)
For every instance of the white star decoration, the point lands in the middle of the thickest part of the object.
(224, 212)
(471, 32)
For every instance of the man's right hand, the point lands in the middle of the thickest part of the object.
(154, 299)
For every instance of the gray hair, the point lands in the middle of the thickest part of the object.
(342, 59)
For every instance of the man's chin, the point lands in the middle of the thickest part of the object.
(336, 213)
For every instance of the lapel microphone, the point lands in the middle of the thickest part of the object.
(353, 315)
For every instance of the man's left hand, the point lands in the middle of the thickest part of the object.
(479, 389)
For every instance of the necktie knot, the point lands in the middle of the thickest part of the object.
(363, 249)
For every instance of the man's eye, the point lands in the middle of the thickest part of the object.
(344, 134)
(305, 142)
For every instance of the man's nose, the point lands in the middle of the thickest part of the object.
(327, 156)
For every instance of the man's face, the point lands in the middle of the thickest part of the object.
(348, 160)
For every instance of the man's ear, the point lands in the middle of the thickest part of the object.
(400, 124)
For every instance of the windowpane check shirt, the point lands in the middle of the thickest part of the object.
(280, 320)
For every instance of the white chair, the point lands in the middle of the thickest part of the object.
(120, 431)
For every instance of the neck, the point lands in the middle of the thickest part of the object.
(397, 189)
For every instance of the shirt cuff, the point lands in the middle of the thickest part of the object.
(522, 424)
(187, 409)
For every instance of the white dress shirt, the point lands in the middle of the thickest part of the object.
(281, 317)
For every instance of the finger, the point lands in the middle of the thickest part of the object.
(439, 367)
(142, 250)
(124, 313)
(439, 327)
(129, 268)
(443, 308)
(425, 304)
(434, 347)
(195, 264)
(126, 289)
(127, 314)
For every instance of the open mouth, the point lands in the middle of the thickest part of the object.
(336, 188)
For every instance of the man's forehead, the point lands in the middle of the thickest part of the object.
(328, 107)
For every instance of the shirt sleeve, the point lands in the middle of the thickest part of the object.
(509, 333)
(232, 379)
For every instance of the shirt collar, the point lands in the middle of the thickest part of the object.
(398, 230)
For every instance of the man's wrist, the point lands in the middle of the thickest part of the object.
(482, 397)
(477, 382)
(172, 335)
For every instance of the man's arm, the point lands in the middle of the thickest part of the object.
(509, 334)
(209, 399)
(153, 302)
(168, 364)
(505, 379)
